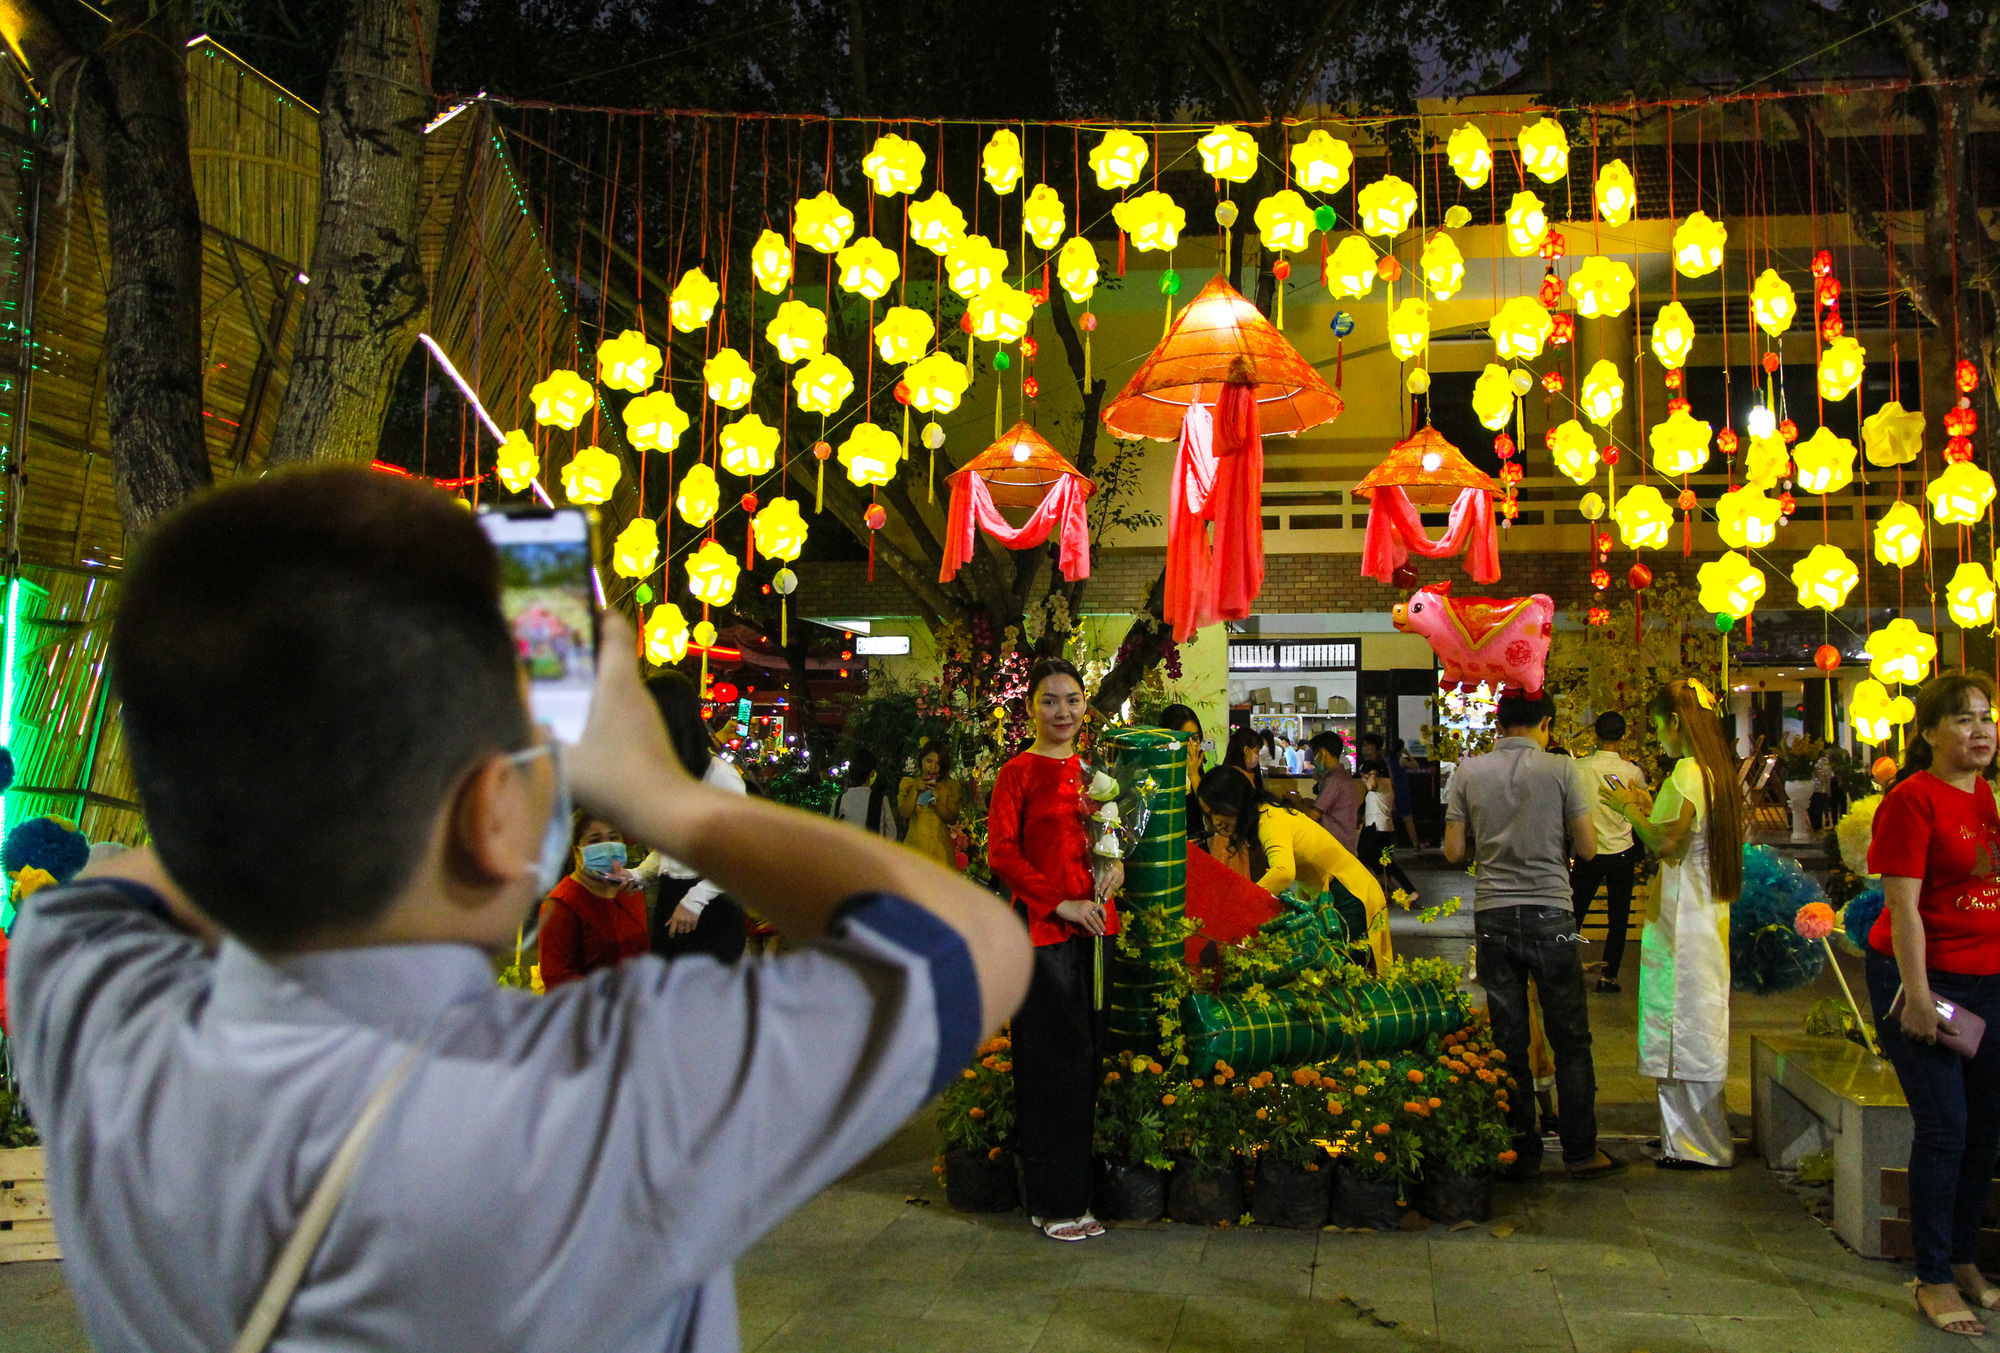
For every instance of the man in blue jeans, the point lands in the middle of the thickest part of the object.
(1514, 804)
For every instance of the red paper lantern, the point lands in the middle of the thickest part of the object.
(1883, 771)
(821, 450)
(965, 321)
(1510, 473)
(1640, 577)
(1600, 579)
(1961, 422)
(1686, 500)
(1677, 405)
(1404, 577)
(1553, 382)
(876, 516)
(1968, 377)
(902, 392)
(1958, 450)
(1510, 509)
(1831, 328)
(1822, 264)
(723, 692)
(749, 502)
(1787, 504)
(1725, 441)
(1564, 330)
(1552, 290)
(1503, 446)
(1089, 322)
(1030, 387)
(1599, 616)
(1675, 379)
(1282, 269)
(1029, 347)
(1827, 658)
(1789, 431)
(1827, 292)
(1611, 456)
(1388, 268)
(1771, 363)
(1554, 246)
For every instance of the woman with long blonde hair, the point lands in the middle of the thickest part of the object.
(1696, 830)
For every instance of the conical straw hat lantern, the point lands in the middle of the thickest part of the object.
(1019, 468)
(1216, 331)
(1428, 469)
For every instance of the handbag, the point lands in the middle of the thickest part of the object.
(283, 1282)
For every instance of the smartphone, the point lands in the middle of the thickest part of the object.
(1614, 782)
(548, 593)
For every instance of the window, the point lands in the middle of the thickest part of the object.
(1338, 655)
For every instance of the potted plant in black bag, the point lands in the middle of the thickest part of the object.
(1463, 1132)
(1294, 1180)
(976, 1121)
(1131, 1140)
(1377, 1154)
(1205, 1134)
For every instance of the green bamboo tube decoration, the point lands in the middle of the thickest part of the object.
(1153, 903)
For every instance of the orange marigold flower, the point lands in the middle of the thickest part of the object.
(1200, 1084)
(1004, 1067)
(1437, 1103)
(1486, 1075)
(1312, 1169)
(1416, 1077)
(994, 1154)
(1454, 1080)
(1110, 1076)
(1328, 1083)
(1262, 1114)
(1222, 1066)
(1381, 1129)
(1334, 1106)
(1511, 1085)
(1381, 1156)
(1508, 1157)
(1166, 1099)
(1002, 1044)
(1497, 1055)
(1239, 1090)
(970, 1074)
(976, 1111)
(1384, 1066)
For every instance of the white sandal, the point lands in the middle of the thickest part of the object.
(1091, 1225)
(1072, 1230)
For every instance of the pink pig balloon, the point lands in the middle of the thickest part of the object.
(1500, 641)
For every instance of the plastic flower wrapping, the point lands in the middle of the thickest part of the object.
(1767, 954)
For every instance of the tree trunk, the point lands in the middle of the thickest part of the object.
(123, 110)
(367, 297)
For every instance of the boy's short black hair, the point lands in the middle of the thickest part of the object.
(1610, 726)
(1516, 710)
(308, 665)
(1329, 742)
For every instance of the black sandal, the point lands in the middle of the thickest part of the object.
(1605, 986)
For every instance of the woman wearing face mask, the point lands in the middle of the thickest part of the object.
(596, 917)
(1937, 847)
(1696, 830)
(1037, 844)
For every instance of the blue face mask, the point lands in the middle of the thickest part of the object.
(603, 858)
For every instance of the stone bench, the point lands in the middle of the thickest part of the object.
(1820, 1094)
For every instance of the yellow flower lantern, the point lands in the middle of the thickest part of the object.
(1825, 462)
(699, 496)
(666, 635)
(1874, 715)
(823, 384)
(797, 331)
(1601, 287)
(1574, 451)
(1644, 519)
(1228, 152)
(1773, 302)
(1960, 496)
(1385, 206)
(692, 301)
(936, 383)
(867, 268)
(1899, 536)
(871, 455)
(1118, 158)
(894, 165)
(1698, 245)
(1493, 396)
(562, 399)
(1731, 585)
(1824, 577)
(1616, 193)
(1969, 596)
(712, 572)
(1076, 268)
(1900, 652)
(1043, 217)
(728, 378)
(628, 362)
(1000, 314)
(1520, 329)
(1526, 224)
(1000, 162)
(1603, 393)
(771, 262)
(779, 530)
(637, 549)
(822, 223)
(1673, 335)
(1151, 219)
(974, 264)
(1680, 444)
(515, 464)
(654, 422)
(1892, 435)
(1284, 222)
(1351, 267)
(1409, 328)
(1746, 519)
(1443, 266)
(1321, 163)
(590, 476)
(1840, 364)
(1545, 150)
(936, 223)
(1470, 155)
(1768, 461)
(749, 446)
(904, 334)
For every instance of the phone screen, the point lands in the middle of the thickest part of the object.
(549, 598)
(1614, 782)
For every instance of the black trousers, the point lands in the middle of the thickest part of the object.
(719, 933)
(1057, 1043)
(1371, 846)
(1614, 872)
(1516, 943)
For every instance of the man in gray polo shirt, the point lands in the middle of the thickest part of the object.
(1514, 805)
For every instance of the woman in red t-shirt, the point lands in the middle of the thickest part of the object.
(596, 917)
(1937, 847)
(1036, 843)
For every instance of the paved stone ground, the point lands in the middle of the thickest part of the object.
(1647, 1262)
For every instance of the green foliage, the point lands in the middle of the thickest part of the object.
(1131, 1127)
(15, 1128)
(1597, 668)
(976, 1111)
(793, 781)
